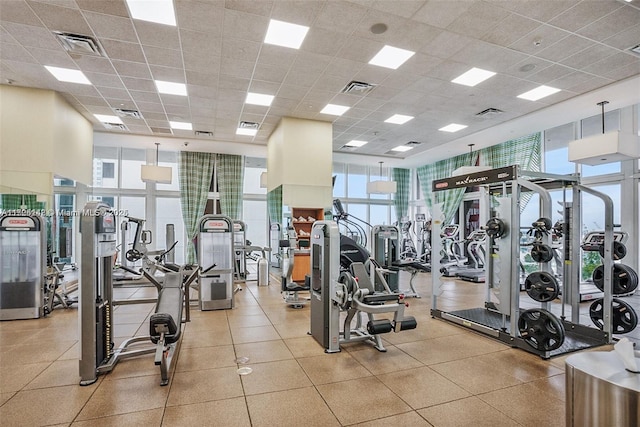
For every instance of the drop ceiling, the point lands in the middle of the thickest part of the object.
(217, 50)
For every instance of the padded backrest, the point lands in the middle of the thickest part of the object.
(364, 282)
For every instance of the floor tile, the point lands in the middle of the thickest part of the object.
(293, 329)
(517, 402)
(59, 373)
(476, 376)
(14, 378)
(304, 346)
(34, 353)
(392, 360)
(274, 376)
(206, 338)
(408, 419)
(44, 406)
(202, 386)
(303, 406)
(151, 417)
(248, 320)
(139, 366)
(228, 412)
(330, 368)
(361, 400)
(254, 334)
(520, 364)
(123, 395)
(450, 348)
(422, 387)
(471, 412)
(265, 351)
(4, 397)
(198, 358)
(554, 386)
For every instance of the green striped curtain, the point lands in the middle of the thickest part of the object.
(230, 172)
(274, 204)
(525, 152)
(195, 171)
(16, 201)
(444, 169)
(401, 198)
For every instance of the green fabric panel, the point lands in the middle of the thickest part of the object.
(195, 171)
(274, 204)
(16, 201)
(401, 197)
(230, 173)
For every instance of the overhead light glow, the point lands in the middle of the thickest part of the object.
(108, 119)
(245, 131)
(402, 148)
(259, 99)
(68, 75)
(398, 119)
(356, 143)
(453, 127)
(335, 110)
(539, 93)
(158, 11)
(181, 125)
(391, 57)
(285, 34)
(171, 88)
(473, 77)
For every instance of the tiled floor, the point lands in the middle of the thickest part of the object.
(438, 374)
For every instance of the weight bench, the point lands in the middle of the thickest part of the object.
(165, 324)
(414, 268)
(364, 299)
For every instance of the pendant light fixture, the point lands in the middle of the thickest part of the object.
(382, 187)
(465, 170)
(155, 173)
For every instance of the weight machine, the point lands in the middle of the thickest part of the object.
(424, 238)
(536, 330)
(334, 291)
(217, 257)
(23, 243)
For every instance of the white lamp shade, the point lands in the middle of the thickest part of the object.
(466, 170)
(263, 180)
(604, 148)
(159, 174)
(382, 187)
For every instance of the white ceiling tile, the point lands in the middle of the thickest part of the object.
(292, 91)
(114, 93)
(310, 62)
(205, 92)
(152, 34)
(202, 78)
(95, 64)
(139, 129)
(267, 88)
(488, 56)
(155, 116)
(588, 56)
(132, 69)
(94, 101)
(194, 61)
(617, 60)
(123, 51)
(177, 112)
(20, 13)
(167, 74)
(564, 48)
(163, 57)
(61, 18)
(404, 8)
(14, 52)
(589, 85)
(419, 64)
(111, 27)
(235, 67)
(478, 19)
(245, 26)
(30, 36)
(296, 12)
(623, 72)
(329, 83)
(233, 83)
(624, 39)
(446, 44)
(117, 8)
(277, 55)
(262, 7)
(105, 80)
(570, 80)
(201, 43)
(299, 79)
(76, 89)
(340, 17)
(549, 74)
(620, 20)
(359, 49)
(242, 50)
(441, 13)
(150, 107)
(539, 39)
(322, 41)
(344, 67)
(541, 10)
(143, 85)
(270, 73)
(531, 66)
(158, 123)
(372, 74)
(509, 30)
(206, 16)
(583, 12)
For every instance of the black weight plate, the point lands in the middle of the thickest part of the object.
(624, 279)
(495, 228)
(619, 250)
(542, 224)
(623, 315)
(542, 286)
(541, 329)
(133, 255)
(541, 252)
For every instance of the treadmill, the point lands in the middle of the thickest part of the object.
(476, 253)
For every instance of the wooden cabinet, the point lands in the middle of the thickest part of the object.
(302, 220)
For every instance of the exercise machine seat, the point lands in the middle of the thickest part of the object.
(168, 315)
(359, 271)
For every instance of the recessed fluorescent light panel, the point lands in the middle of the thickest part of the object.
(402, 148)
(245, 131)
(158, 11)
(171, 88)
(181, 125)
(473, 77)
(334, 110)
(68, 75)
(285, 34)
(108, 119)
(398, 119)
(453, 127)
(259, 99)
(356, 143)
(391, 57)
(539, 93)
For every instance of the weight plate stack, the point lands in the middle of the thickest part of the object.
(624, 317)
(619, 250)
(541, 329)
(624, 279)
(495, 228)
(542, 286)
(541, 252)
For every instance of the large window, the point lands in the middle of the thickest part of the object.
(132, 160)
(593, 126)
(168, 211)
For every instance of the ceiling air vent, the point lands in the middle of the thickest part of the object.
(635, 50)
(77, 43)
(348, 148)
(161, 130)
(357, 88)
(249, 125)
(203, 133)
(489, 112)
(134, 114)
(115, 126)
(413, 143)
